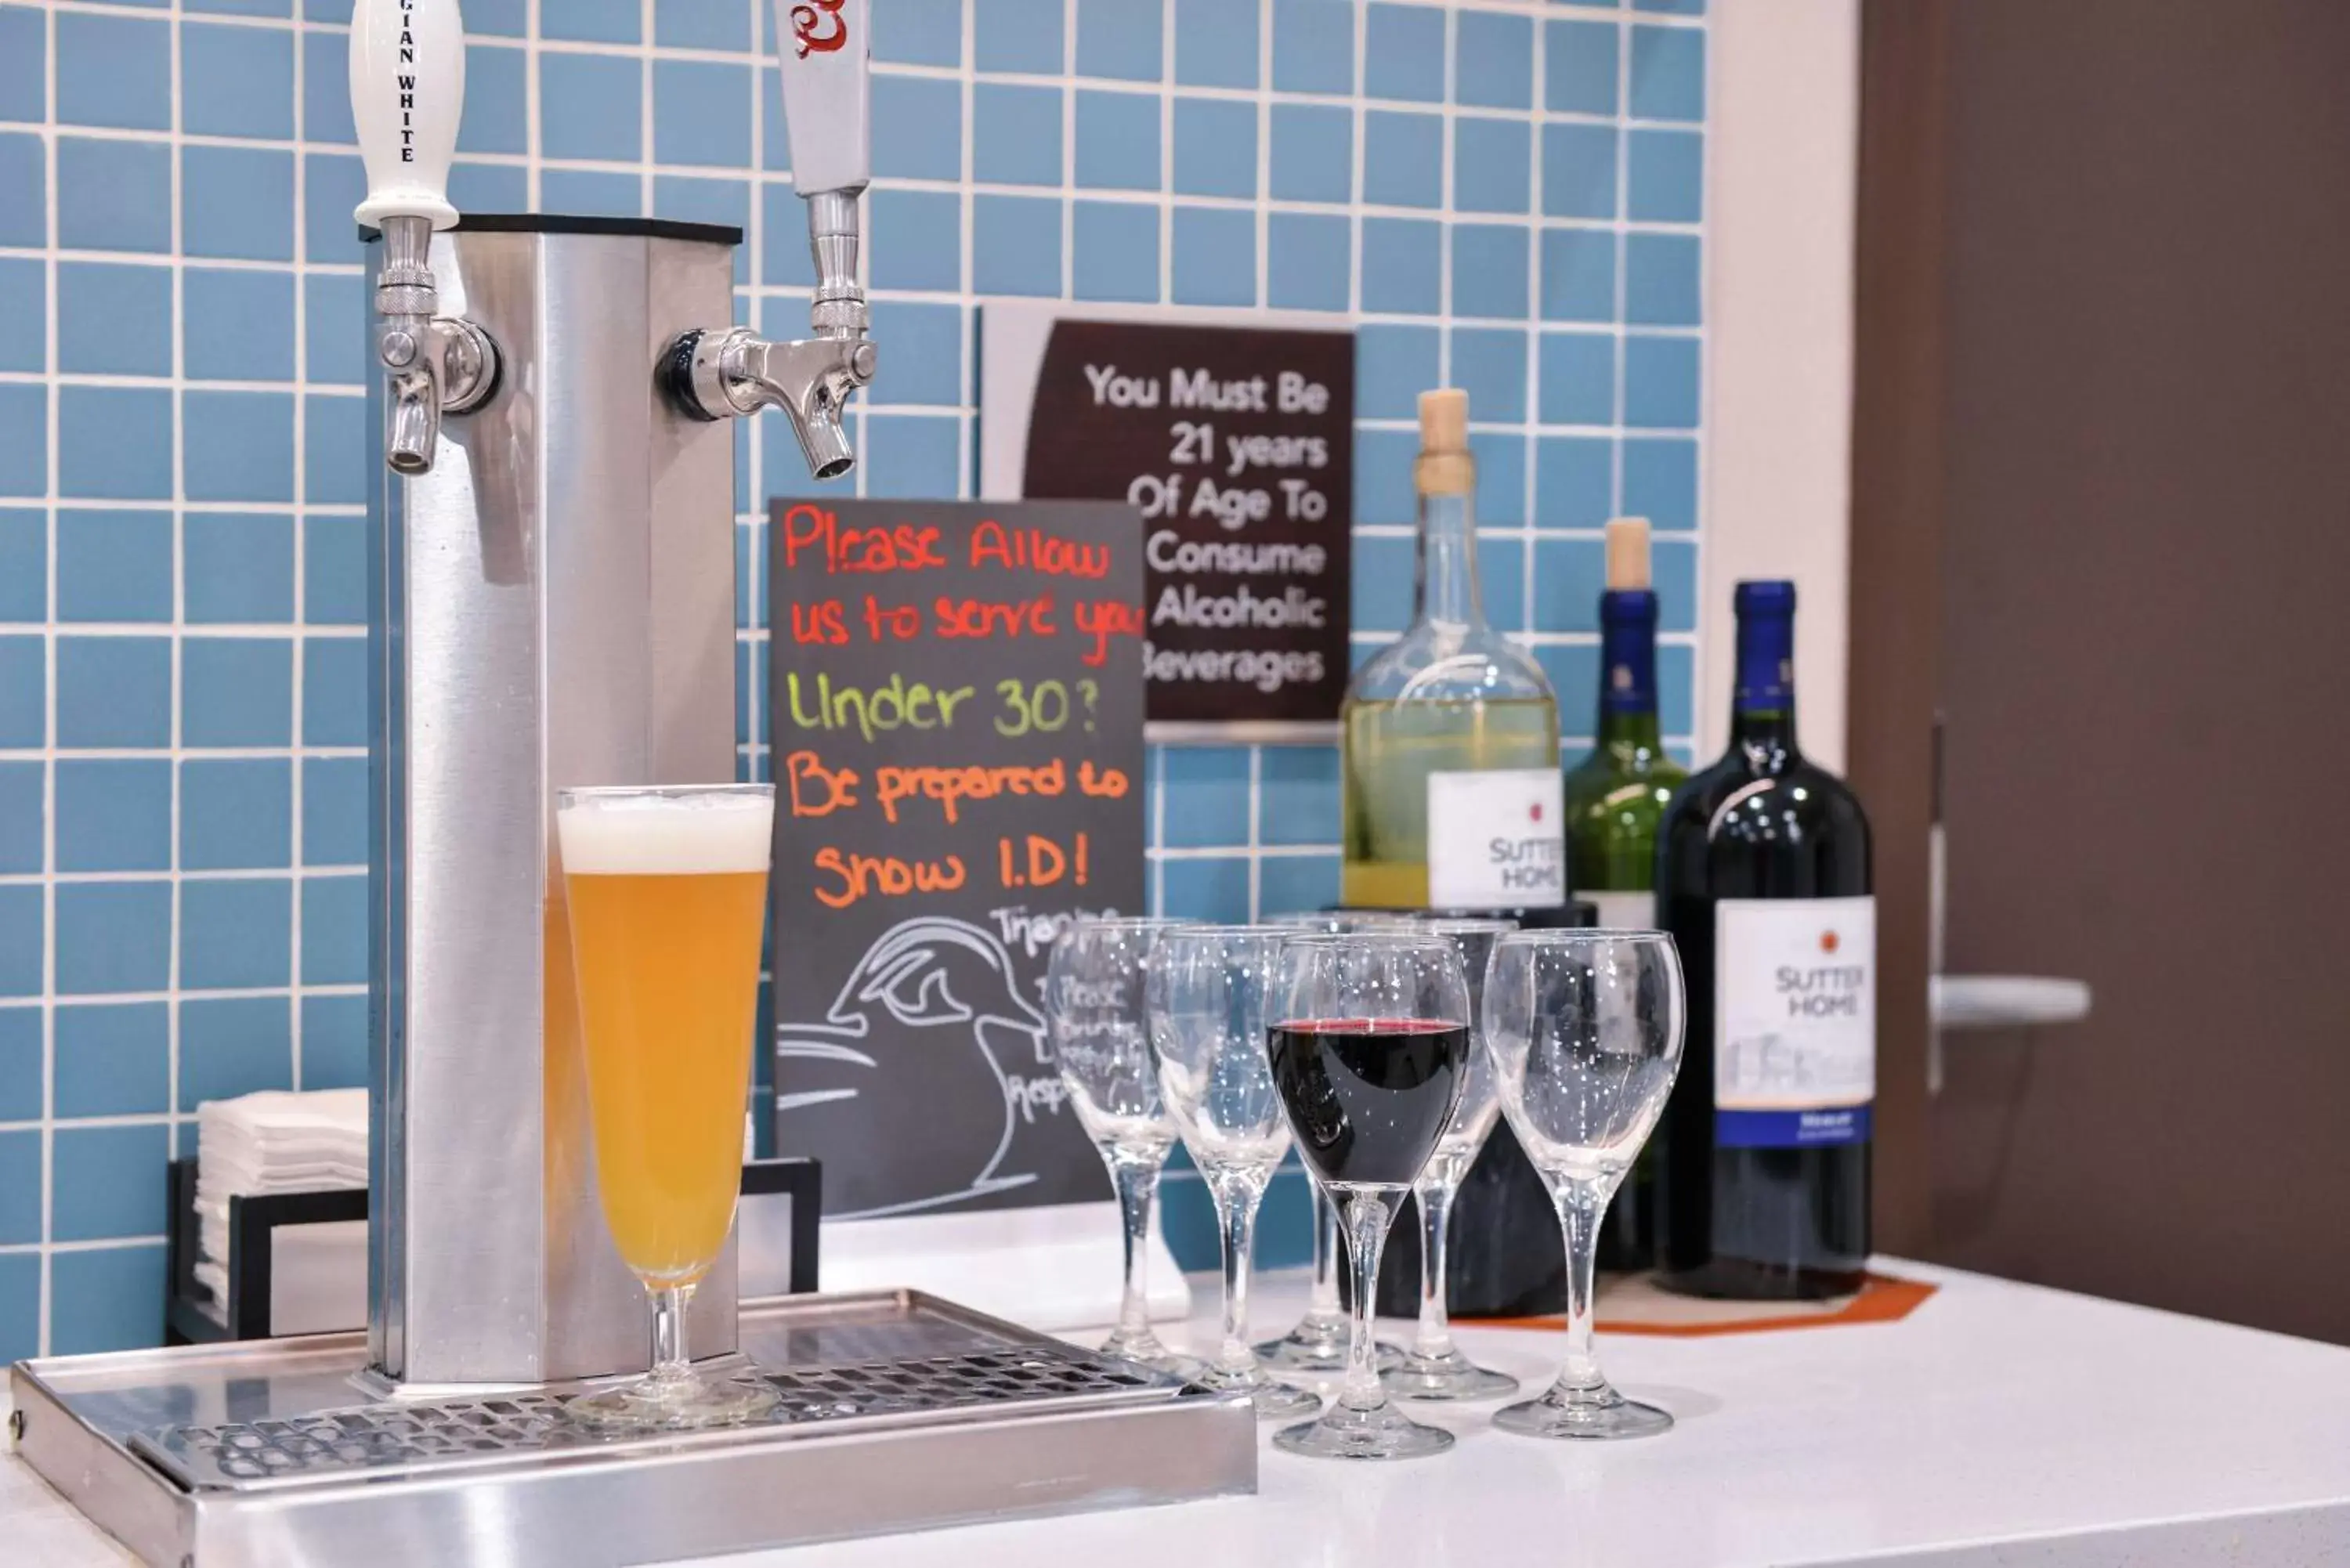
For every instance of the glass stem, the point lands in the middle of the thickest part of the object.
(670, 1360)
(1237, 1197)
(1366, 1232)
(1580, 1204)
(1324, 1302)
(1136, 1178)
(1435, 1337)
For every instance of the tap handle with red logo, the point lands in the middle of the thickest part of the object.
(827, 51)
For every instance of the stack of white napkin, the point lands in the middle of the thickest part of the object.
(267, 1143)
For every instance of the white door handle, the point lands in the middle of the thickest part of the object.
(2005, 1001)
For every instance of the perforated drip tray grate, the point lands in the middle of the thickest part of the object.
(897, 1411)
(419, 1437)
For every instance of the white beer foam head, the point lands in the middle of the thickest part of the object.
(657, 835)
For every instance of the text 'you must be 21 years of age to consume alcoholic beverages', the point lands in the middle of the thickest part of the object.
(1236, 457)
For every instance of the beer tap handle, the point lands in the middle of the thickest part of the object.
(407, 88)
(716, 373)
(826, 47)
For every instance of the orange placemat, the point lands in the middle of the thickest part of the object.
(1633, 1303)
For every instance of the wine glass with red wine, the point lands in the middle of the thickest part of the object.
(1369, 1052)
(1318, 1344)
(1584, 1030)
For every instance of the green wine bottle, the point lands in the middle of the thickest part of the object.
(1615, 799)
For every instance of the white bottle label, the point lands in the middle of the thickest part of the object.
(1497, 840)
(1794, 1020)
(1620, 911)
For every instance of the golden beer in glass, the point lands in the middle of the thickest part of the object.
(667, 890)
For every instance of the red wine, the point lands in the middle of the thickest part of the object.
(1368, 1097)
(1762, 877)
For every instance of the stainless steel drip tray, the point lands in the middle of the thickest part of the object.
(899, 1412)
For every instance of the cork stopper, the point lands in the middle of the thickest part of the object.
(1444, 467)
(1627, 554)
(1444, 420)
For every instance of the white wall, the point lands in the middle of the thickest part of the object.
(1780, 175)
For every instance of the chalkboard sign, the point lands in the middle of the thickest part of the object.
(1235, 442)
(957, 717)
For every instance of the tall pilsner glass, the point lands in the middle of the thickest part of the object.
(667, 888)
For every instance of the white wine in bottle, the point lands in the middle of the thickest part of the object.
(1450, 774)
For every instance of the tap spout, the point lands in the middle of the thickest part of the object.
(435, 364)
(716, 375)
(411, 420)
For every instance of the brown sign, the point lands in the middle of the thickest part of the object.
(1236, 445)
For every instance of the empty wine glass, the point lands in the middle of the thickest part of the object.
(1369, 1046)
(1211, 1000)
(1584, 1030)
(1094, 1004)
(1435, 1367)
(1317, 1345)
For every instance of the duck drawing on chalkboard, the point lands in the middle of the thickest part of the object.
(926, 1035)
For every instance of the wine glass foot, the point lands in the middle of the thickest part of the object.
(1448, 1376)
(1274, 1401)
(1316, 1347)
(1600, 1412)
(673, 1405)
(1152, 1352)
(1349, 1432)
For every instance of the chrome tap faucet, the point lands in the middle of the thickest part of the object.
(715, 373)
(437, 364)
(408, 84)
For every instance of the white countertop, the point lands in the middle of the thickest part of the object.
(1999, 1424)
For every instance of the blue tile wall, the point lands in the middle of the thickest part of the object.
(1500, 196)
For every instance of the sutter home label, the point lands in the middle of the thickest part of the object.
(1497, 839)
(1794, 1049)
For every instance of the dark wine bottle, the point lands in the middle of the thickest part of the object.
(1762, 877)
(1615, 799)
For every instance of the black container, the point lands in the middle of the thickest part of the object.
(1504, 1256)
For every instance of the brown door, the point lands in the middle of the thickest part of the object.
(2116, 233)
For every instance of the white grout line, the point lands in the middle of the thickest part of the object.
(295, 768)
(179, 575)
(50, 729)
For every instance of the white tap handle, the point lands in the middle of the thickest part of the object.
(407, 88)
(826, 49)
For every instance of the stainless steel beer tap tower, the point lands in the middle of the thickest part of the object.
(553, 589)
(555, 605)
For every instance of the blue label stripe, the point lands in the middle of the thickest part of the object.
(1791, 1129)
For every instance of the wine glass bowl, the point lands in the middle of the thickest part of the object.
(1370, 1051)
(1096, 1012)
(1585, 1029)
